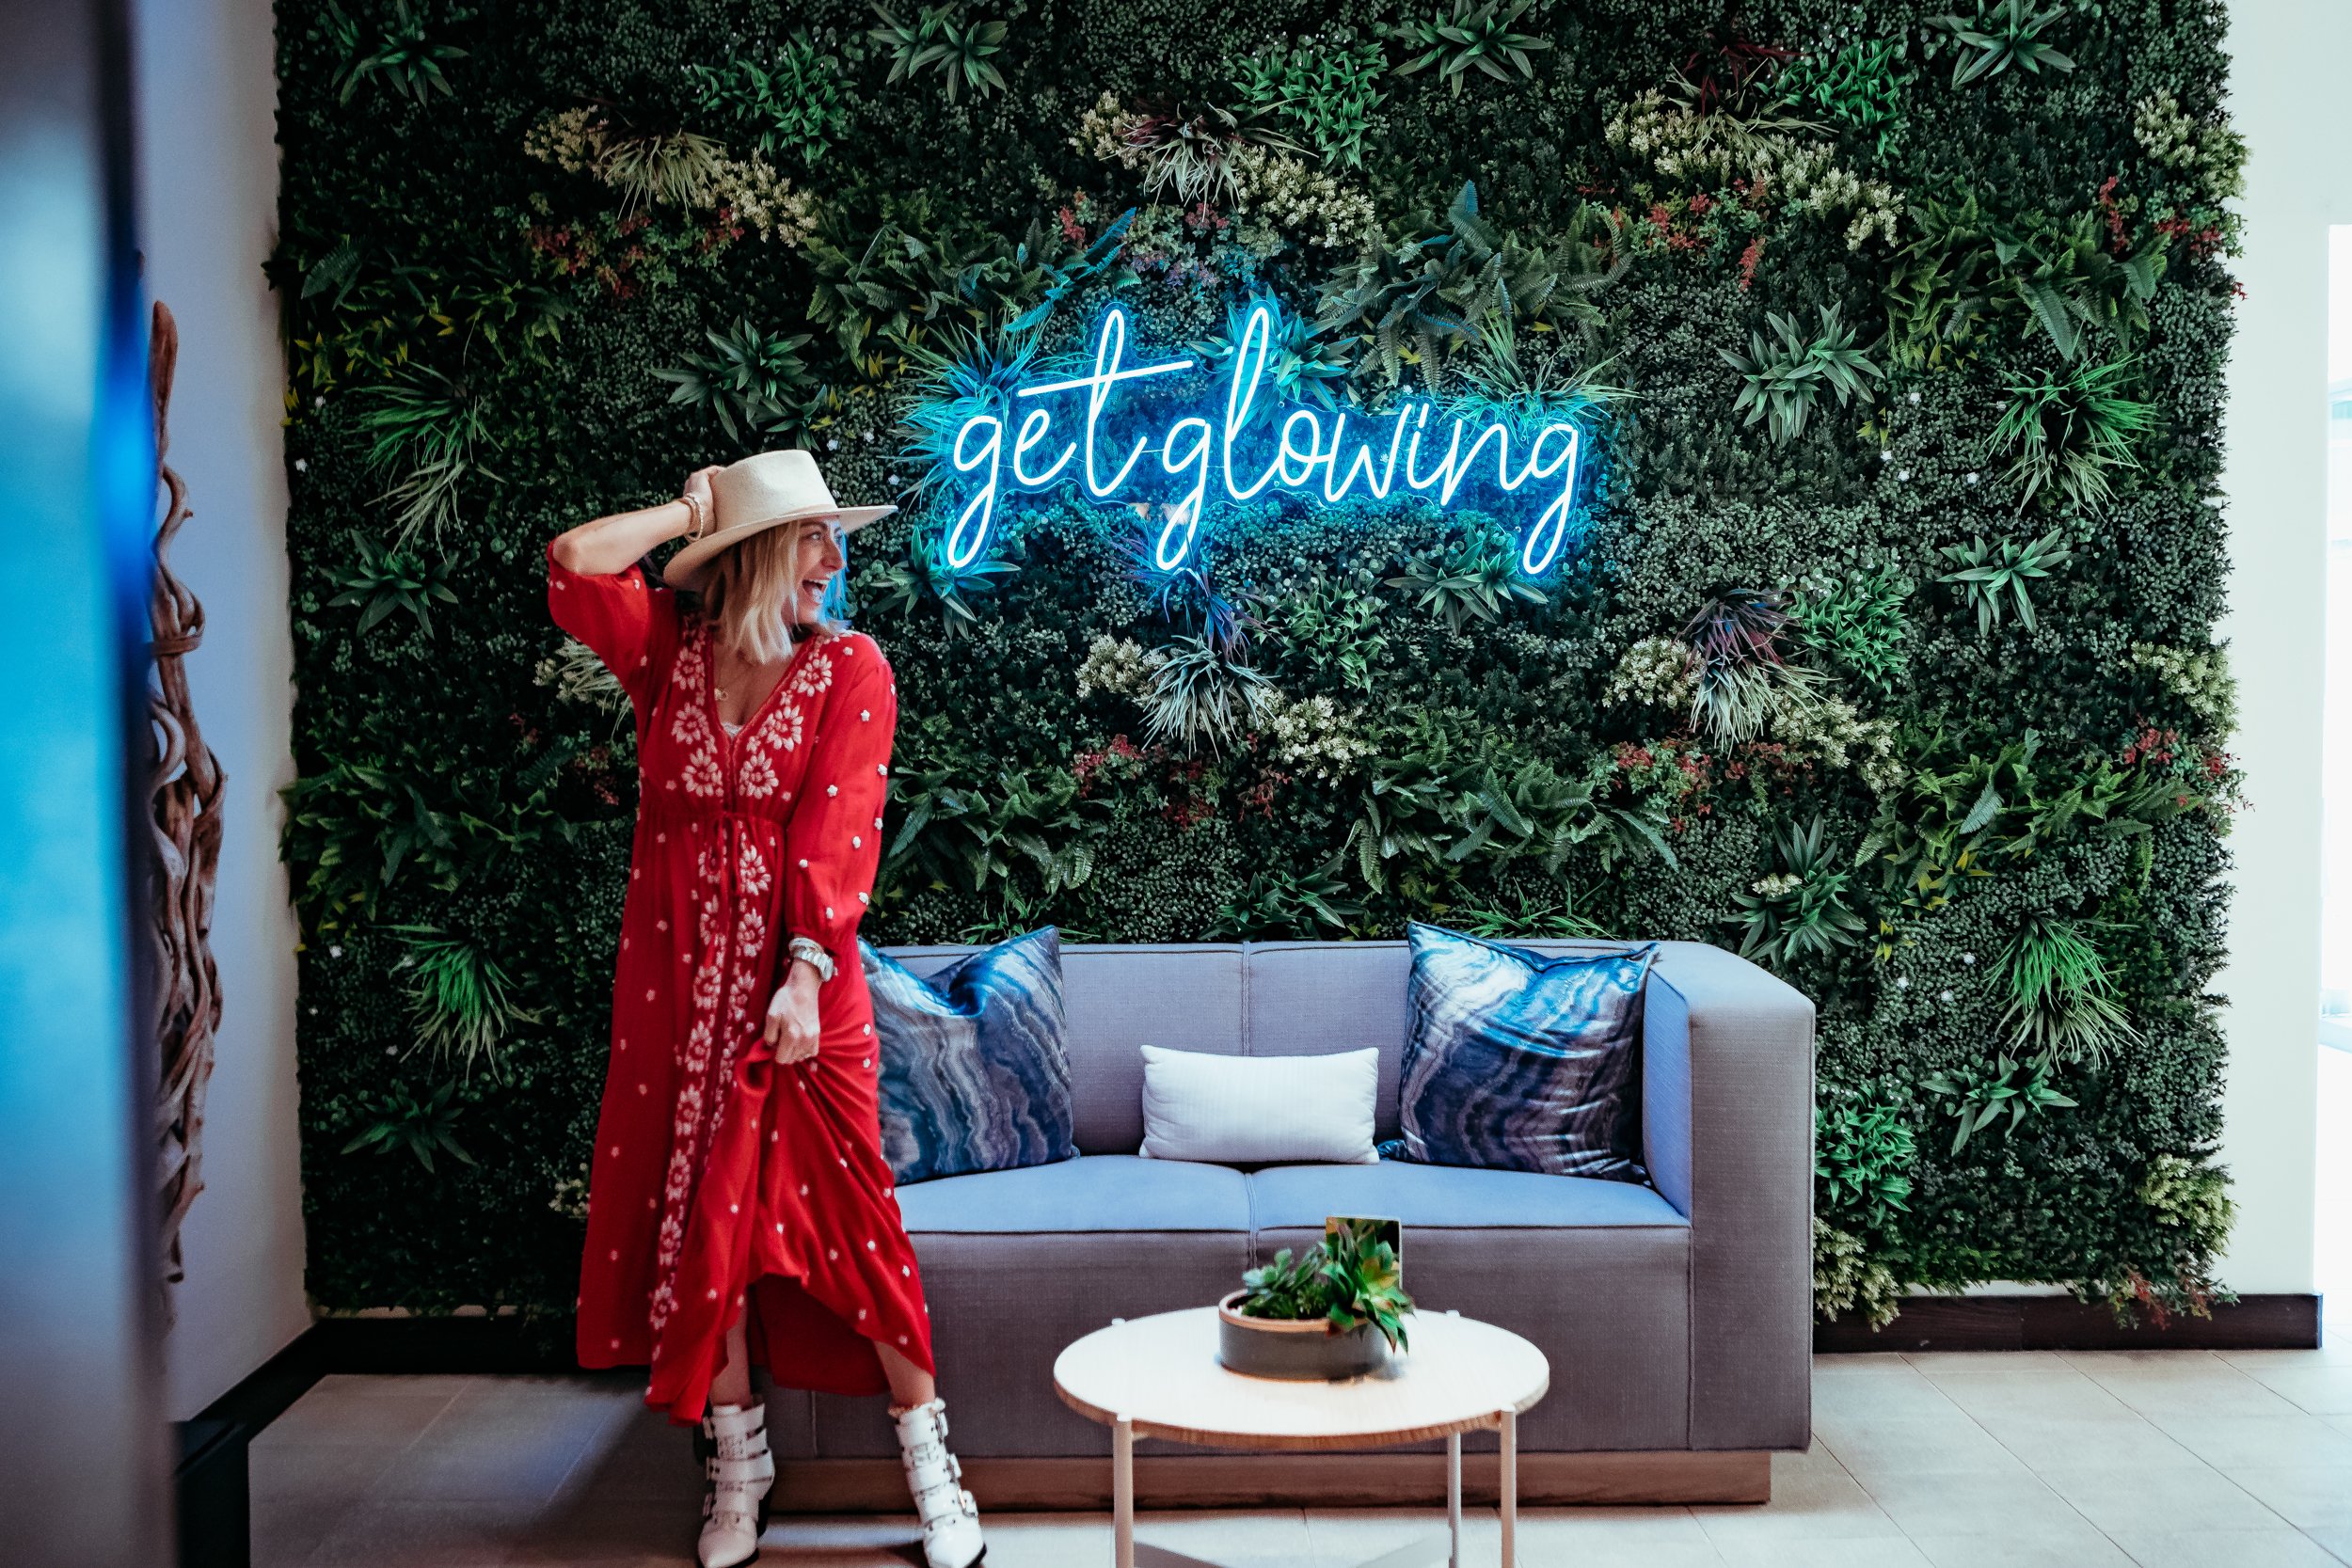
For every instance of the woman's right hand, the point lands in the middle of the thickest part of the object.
(698, 486)
(614, 544)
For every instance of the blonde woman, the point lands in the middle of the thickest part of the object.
(740, 1212)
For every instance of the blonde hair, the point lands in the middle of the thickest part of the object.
(754, 588)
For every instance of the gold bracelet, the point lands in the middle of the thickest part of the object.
(697, 520)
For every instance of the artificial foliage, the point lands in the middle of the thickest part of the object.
(1882, 650)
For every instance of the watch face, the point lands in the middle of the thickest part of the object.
(1374, 1230)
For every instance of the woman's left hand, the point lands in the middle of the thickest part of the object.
(791, 1030)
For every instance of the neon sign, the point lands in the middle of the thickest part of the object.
(1322, 455)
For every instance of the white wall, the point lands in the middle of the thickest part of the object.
(208, 170)
(2298, 182)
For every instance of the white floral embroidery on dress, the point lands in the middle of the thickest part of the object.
(756, 776)
(713, 1046)
(702, 776)
(814, 675)
(686, 680)
(753, 878)
(690, 721)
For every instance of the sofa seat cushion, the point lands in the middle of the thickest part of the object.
(1018, 1263)
(1453, 1198)
(1596, 1272)
(1092, 1193)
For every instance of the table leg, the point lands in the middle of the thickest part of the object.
(1454, 1501)
(1509, 1482)
(1122, 1492)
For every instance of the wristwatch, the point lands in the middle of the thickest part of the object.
(811, 952)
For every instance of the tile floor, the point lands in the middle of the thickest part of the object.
(2240, 1460)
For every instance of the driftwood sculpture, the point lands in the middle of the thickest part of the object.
(184, 806)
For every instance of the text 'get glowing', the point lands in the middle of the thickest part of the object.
(1322, 455)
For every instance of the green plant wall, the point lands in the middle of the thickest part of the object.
(1883, 653)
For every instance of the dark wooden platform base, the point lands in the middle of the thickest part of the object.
(1289, 1480)
(2061, 1323)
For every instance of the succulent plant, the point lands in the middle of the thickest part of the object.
(1352, 1278)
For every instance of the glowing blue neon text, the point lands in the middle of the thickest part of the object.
(1302, 453)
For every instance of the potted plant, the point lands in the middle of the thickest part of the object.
(1336, 1312)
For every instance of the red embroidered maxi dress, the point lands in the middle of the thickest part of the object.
(719, 1177)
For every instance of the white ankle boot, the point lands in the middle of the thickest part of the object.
(741, 1471)
(951, 1521)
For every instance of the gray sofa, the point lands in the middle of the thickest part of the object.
(1676, 1317)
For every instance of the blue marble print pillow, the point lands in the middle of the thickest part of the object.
(1520, 1062)
(973, 1075)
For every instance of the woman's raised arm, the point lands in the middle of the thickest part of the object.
(614, 543)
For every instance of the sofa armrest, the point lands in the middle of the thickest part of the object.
(1728, 1135)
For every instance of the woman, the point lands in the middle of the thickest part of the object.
(740, 1212)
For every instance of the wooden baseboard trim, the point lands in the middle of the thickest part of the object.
(511, 1345)
(1288, 1479)
(2061, 1323)
(210, 1479)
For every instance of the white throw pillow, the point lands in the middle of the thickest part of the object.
(1259, 1110)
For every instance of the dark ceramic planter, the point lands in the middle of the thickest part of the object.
(1303, 1351)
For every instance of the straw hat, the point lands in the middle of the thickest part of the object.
(757, 494)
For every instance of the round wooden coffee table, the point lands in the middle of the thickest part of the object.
(1159, 1377)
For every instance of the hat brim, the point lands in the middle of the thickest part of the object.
(691, 565)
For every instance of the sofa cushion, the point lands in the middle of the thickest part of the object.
(1092, 1193)
(1518, 1061)
(1018, 1263)
(1313, 998)
(1117, 999)
(1254, 1109)
(973, 1075)
(1609, 1304)
(1453, 1198)
(1597, 1274)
